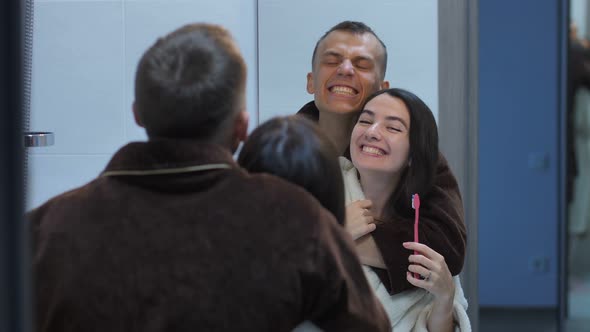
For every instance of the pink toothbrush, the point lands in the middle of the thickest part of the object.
(416, 207)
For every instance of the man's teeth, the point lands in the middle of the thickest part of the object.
(372, 150)
(343, 90)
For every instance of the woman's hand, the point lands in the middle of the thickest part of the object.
(359, 221)
(436, 279)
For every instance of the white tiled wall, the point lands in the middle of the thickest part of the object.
(78, 66)
(84, 59)
(85, 53)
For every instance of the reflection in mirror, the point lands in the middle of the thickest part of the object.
(85, 54)
(287, 36)
(578, 164)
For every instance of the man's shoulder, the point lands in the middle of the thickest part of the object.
(60, 214)
(310, 111)
(285, 212)
(276, 188)
(66, 197)
(283, 199)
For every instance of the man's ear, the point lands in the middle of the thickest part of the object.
(136, 115)
(240, 131)
(384, 85)
(310, 87)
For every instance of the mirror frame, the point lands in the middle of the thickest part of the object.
(458, 121)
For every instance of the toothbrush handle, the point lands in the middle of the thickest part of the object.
(416, 218)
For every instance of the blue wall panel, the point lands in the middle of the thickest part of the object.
(518, 152)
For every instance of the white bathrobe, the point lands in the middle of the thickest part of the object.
(409, 310)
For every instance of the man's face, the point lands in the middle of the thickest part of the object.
(346, 70)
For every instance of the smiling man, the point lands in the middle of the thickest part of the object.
(348, 65)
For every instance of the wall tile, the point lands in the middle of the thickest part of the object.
(78, 76)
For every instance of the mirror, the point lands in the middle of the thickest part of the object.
(85, 55)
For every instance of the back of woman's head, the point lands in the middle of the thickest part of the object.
(295, 149)
(418, 177)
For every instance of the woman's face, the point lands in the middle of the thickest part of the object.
(380, 140)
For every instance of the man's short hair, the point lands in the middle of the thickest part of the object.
(354, 27)
(189, 82)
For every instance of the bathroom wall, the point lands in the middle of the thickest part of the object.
(84, 59)
(85, 54)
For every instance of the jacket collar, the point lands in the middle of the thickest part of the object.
(166, 156)
(311, 111)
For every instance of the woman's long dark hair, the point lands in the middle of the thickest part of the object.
(295, 149)
(418, 176)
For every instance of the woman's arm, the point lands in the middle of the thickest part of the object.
(359, 224)
(436, 279)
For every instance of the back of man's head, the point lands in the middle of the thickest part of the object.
(354, 27)
(190, 83)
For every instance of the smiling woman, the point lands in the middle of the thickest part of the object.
(395, 139)
(380, 141)
(394, 153)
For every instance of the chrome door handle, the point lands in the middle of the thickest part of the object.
(38, 139)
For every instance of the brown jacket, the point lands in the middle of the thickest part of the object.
(174, 236)
(442, 226)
